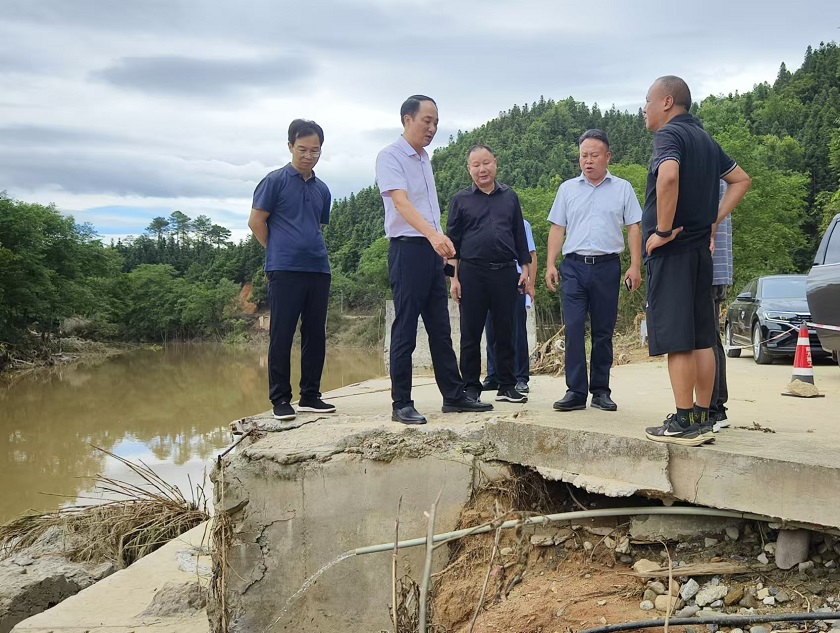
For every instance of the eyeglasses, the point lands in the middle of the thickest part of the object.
(314, 153)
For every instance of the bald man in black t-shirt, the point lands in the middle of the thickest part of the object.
(679, 220)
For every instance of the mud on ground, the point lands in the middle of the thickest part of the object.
(566, 578)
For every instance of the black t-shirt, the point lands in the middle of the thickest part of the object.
(702, 164)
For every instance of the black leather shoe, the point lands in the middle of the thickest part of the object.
(407, 415)
(490, 384)
(466, 404)
(570, 402)
(604, 402)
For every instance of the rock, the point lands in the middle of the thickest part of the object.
(687, 612)
(658, 588)
(802, 389)
(626, 559)
(712, 628)
(664, 603)
(736, 631)
(734, 596)
(646, 605)
(717, 604)
(644, 565)
(623, 546)
(732, 533)
(782, 597)
(46, 580)
(506, 551)
(710, 542)
(689, 589)
(758, 629)
(806, 566)
(762, 558)
(176, 599)
(609, 542)
(763, 593)
(831, 564)
(650, 595)
(544, 540)
(602, 603)
(792, 548)
(709, 594)
(770, 601)
(817, 559)
(770, 548)
(587, 545)
(674, 588)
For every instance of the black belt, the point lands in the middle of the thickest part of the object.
(411, 239)
(593, 259)
(490, 265)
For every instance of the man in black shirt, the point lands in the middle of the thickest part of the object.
(485, 225)
(680, 217)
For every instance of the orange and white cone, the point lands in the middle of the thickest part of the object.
(803, 369)
(802, 381)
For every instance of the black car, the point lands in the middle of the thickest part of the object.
(766, 315)
(824, 288)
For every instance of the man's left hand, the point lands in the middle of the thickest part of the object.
(654, 241)
(635, 276)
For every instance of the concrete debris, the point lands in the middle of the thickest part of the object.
(643, 565)
(792, 548)
(762, 593)
(689, 589)
(623, 546)
(802, 389)
(770, 601)
(709, 594)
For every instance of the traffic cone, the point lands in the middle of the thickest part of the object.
(803, 369)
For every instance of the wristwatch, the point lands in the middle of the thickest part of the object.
(664, 233)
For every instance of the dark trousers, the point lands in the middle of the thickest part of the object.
(294, 296)
(593, 289)
(418, 287)
(720, 392)
(483, 290)
(521, 364)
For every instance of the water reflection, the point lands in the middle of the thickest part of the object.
(169, 408)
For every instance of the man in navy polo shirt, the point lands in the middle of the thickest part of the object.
(680, 218)
(290, 206)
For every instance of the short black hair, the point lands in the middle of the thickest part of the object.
(477, 147)
(595, 134)
(301, 127)
(411, 105)
(678, 89)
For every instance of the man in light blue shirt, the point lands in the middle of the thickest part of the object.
(586, 220)
(721, 280)
(521, 359)
(416, 262)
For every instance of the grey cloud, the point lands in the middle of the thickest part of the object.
(186, 76)
(27, 136)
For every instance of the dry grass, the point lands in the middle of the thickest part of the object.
(136, 519)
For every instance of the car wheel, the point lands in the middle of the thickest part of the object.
(760, 354)
(731, 350)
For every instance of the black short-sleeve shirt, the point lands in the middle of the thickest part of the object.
(702, 164)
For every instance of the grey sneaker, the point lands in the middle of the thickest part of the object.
(671, 432)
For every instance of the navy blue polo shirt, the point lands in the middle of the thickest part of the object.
(702, 164)
(297, 208)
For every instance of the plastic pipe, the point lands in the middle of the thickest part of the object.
(722, 619)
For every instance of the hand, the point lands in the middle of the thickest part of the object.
(552, 278)
(654, 241)
(531, 291)
(443, 245)
(455, 290)
(523, 280)
(712, 245)
(635, 276)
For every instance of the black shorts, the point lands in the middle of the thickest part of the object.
(680, 308)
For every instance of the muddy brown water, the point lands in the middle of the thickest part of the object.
(169, 408)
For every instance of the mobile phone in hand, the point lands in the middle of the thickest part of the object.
(628, 284)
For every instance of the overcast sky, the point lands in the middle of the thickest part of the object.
(121, 111)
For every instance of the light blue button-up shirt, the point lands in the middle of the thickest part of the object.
(593, 215)
(399, 166)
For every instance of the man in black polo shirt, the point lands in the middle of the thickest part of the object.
(486, 227)
(680, 217)
(290, 207)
